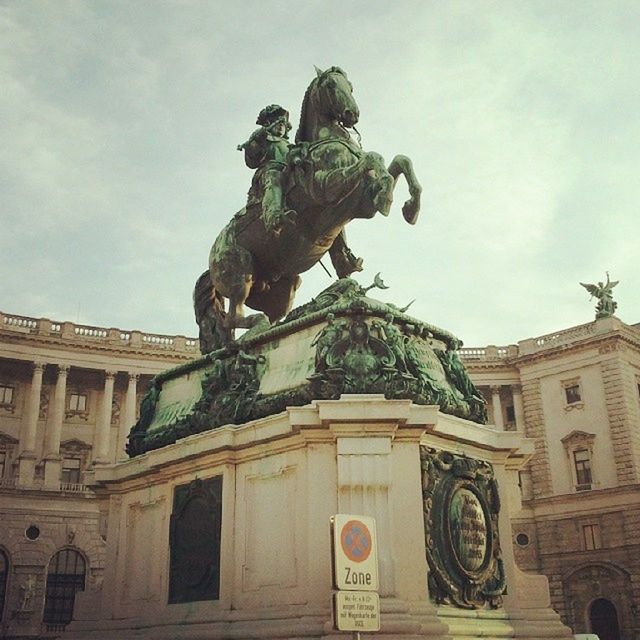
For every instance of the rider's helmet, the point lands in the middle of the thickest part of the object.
(271, 114)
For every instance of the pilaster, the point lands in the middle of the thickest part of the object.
(52, 444)
(129, 416)
(103, 428)
(27, 460)
(518, 406)
(496, 403)
(534, 427)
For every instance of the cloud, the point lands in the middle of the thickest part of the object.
(120, 120)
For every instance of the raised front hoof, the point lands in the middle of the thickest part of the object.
(410, 212)
(382, 203)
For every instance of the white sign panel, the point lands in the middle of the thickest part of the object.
(356, 611)
(355, 553)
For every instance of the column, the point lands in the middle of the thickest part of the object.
(498, 420)
(52, 443)
(518, 406)
(103, 428)
(128, 417)
(28, 435)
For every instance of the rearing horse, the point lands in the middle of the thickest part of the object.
(329, 181)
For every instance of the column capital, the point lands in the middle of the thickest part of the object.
(63, 369)
(495, 389)
(516, 388)
(38, 365)
(133, 375)
(109, 374)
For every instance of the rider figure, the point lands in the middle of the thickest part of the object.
(266, 151)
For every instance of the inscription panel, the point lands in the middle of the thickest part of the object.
(461, 507)
(468, 529)
(196, 523)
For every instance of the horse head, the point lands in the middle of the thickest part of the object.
(328, 101)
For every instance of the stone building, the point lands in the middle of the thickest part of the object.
(69, 394)
(576, 393)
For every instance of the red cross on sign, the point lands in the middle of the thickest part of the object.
(355, 539)
(355, 557)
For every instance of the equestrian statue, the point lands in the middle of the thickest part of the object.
(300, 200)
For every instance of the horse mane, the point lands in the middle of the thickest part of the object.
(301, 133)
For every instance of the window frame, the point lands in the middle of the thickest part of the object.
(8, 404)
(578, 441)
(63, 586)
(567, 386)
(73, 398)
(591, 536)
(77, 469)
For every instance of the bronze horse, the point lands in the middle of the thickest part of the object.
(330, 181)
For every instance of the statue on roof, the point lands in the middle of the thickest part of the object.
(606, 306)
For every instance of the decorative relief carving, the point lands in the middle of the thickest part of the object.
(461, 507)
(44, 404)
(115, 410)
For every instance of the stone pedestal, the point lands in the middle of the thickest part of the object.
(52, 470)
(280, 480)
(26, 468)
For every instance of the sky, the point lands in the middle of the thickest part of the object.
(118, 161)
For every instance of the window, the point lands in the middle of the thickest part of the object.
(511, 414)
(70, 471)
(6, 395)
(78, 402)
(4, 572)
(572, 393)
(591, 536)
(64, 578)
(582, 462)
(3, 463)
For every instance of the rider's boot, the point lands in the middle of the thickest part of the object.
(274, 214)
(342, 258)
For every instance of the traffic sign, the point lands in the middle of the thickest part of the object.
(356, 611)
(355, 553)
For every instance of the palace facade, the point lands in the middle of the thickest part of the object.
(69, 394)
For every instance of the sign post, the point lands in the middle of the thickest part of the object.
(356, 604)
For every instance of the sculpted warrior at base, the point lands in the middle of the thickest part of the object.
(300, 200)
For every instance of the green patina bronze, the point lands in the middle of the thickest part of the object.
(345, 341)
(606, 306)
(301, 198)
(461, 510)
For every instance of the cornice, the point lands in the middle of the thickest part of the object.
(612, 338)
(31, 340)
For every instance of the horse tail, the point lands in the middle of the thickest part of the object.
(208, 306)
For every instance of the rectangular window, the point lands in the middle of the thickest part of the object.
(591, 537)
(3, 463)
(6, 394)
(78, 402)
(70, 471)
(582, 463)
(572, 393)
(511, 414)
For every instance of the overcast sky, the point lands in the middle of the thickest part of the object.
(118, 160)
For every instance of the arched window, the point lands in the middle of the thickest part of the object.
(65, 577)
(4, 572)
(604, 620)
